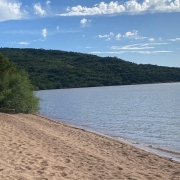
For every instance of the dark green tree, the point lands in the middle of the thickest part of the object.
(16, 91)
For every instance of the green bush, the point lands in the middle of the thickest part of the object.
(16, 91)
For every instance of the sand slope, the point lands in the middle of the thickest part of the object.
(34, 148)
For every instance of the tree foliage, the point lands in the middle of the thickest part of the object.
(16, 91)
(55, 69)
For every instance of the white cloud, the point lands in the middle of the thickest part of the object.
(111, 34)
(44, 32)
(108, 36)
(151, 52)
(148, 44)
(130, 7)
(48, 2)
(103, 36)
(133, 47)
(151, 39)
(11, 10)
(85, 22)
(39, 10)
(139, 52)
(107, 52)
(176, 39)
(118, 36)
(139, 46)
(57, 27)
(22, 32)
(24, 43)
(133, 35)
(30, 42)
(130, 34)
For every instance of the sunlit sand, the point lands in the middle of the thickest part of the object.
(35, 148)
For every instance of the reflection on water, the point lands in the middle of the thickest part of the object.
(146, 114)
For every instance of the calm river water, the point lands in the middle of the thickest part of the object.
(146, 115)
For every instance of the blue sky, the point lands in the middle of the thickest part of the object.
(140, 31)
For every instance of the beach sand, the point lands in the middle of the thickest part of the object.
(35, 148)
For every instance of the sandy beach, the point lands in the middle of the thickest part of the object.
(36, 148)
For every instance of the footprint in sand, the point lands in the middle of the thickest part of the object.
(63, 174)
(44, 163)
(67, 161)
(59, 168)
(120, 168)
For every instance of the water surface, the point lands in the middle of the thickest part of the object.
(148, 115)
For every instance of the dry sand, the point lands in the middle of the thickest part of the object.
(35, 148)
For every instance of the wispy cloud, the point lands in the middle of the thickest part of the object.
(44, 32)
(48, 2)
(41, 32)
(85, 22)
(39, 10)
(107, 36)
(139, 52)
(133, 35)
(132, 47)
(88, 47)
(151, 39)
(118, 36)
(151, 52)
(139, 46)
(129, 7)
(11, 10)
(21, 32)
(129, 35)
(24, 43)
(176, 39)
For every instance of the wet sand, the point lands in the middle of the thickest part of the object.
(36, 148)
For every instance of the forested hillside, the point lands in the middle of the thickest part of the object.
(54, 69)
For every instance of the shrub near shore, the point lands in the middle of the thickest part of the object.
(16, 91)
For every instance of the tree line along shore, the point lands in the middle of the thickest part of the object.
(55, 69)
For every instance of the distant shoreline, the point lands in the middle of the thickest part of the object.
(110, 86)
(56, 69)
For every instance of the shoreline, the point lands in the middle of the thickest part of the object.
(36, 147)
(154, 150)
(159, 83)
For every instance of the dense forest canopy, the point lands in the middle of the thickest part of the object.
(54, 69)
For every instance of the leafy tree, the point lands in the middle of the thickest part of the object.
(16, 91)
(5, 66)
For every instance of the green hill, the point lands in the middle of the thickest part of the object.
(54, 69)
